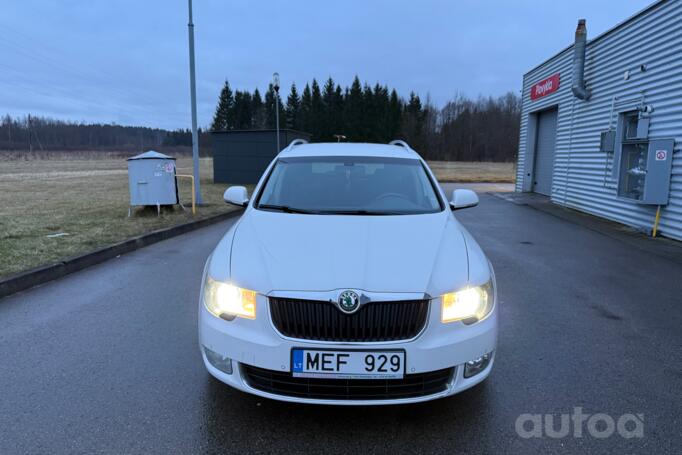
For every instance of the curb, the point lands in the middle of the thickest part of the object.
(25, 280)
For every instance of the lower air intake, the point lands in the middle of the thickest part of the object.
(411, 386)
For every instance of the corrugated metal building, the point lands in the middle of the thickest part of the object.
(608, 154)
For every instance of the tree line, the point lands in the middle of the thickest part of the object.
(32, 133)
(464, 129)
(485, 129)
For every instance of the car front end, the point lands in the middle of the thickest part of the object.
(372, 306)
(256, 355)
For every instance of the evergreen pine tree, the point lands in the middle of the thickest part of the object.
(414, 106)
(370, 118)
(242, 110)
(282, 113)
(413, 120)
(223, 118)
(316, 112)
(381, 106)
(270, 107)
(306, 109)
(353, 111)
(257, 111)
(329, 119)
(270, 115)
(339, 126)
(395, 113)
(293, 109)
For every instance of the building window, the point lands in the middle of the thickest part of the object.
(630, 121)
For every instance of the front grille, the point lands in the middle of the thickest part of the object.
(375, 321)
(411, 386)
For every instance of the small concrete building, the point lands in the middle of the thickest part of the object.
(241, 156)
(601, 123)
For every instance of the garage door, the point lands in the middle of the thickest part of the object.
(544, 152)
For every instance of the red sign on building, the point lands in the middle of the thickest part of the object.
(545, 87)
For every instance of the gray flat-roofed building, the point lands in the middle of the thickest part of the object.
(601, 122)
(241, 156)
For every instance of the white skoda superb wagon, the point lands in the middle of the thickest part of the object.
(348, 280)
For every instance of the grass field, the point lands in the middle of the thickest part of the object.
(470, 172)
(88, 200)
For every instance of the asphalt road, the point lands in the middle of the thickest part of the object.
(106, 360)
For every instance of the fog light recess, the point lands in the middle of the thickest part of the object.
(475, 366)
(223, 364)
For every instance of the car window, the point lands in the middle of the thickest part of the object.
(355, 185)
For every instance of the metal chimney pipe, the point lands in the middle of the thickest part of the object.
(578, 86)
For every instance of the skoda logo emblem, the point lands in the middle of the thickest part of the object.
(349, 302)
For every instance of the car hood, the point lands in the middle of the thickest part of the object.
(274, 251)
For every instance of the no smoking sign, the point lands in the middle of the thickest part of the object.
(661, 155)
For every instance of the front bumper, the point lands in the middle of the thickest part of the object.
(257, 343)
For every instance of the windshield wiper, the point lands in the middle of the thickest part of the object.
(284, 208)
(356, 212)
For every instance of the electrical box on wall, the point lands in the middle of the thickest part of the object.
(607, 142)
(641, 165)
(644, 171)
(634, 126)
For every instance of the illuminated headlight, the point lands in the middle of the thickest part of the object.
(228, 301)
(468, 305)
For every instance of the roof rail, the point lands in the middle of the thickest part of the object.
(296, 142)
(400, 143)
(293, 144)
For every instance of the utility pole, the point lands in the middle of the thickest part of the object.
(275, 85)
(193, 97)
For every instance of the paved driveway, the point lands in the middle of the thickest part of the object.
(106, 360)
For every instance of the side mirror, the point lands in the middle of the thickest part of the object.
(236, 195)
(463, 199)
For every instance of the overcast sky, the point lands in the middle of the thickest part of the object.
(126, 61)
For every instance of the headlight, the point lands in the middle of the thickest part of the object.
(468, 305)
(227, 301)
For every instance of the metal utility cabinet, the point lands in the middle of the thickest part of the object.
(151, 179)
(601, 127)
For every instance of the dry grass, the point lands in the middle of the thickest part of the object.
(460, 171)
(86, 198)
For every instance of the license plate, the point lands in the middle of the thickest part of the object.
(318, 363)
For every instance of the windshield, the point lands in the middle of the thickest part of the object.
(349, 185)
